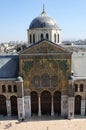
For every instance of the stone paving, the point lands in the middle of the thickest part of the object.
(43, 123)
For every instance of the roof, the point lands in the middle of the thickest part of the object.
(43, 21)
(9, 66)
(79, 64)
(66, 51)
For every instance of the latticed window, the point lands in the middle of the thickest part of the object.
(54, 81)
(9, 88)
(81, 87)
(36, 81)
(45, 80)
(3, 88)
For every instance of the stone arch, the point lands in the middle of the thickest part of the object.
(57, 102)
(77, 104)
(14, 109)
(34, 102)
(46, 102)
(3, 109)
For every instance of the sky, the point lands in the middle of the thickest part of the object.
(16, 16)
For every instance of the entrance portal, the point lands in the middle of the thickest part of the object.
(34, 103)
(57, 102)
(14, 110)
(46, 102)
(78, 104)
(3, 109)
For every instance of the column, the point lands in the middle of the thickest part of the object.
(27, 104)
(52, 107)
(20, 99)
(8, 105)
(70, 107)
(64, 105)
(82, 107)
(39, 106)
(21, 112)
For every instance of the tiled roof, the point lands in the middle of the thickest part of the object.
(9, 66)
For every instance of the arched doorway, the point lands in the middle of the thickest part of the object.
(3, 109)
(57, 102)
(14, 110)
(34, 103)
(46, 102)
(77, 104)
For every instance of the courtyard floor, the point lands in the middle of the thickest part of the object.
(43, 123)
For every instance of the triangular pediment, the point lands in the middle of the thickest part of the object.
(44, 47)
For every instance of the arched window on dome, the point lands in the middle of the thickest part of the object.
(42, 36)
(55, 37)
(33, 38)
(30, 38)
(58, 38)
(47, 36)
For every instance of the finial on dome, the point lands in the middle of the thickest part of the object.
(43, 8)
(43, 12)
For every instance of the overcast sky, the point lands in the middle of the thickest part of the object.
(16, 16)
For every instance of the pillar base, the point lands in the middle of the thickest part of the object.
(52, 113)
(27, 104)
(64, 105)
(70, 108)
(82, 107)
(39, 114)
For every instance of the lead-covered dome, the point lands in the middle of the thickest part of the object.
(43, 21)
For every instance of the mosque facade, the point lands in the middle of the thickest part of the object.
(45, 78)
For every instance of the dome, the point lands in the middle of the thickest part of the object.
(43, 21)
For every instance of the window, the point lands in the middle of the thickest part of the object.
(14, 88)
(76, 88)
(47, 36)
(58, 38)
(9, 88)
(36, 81)
(55, 38)
(30, 38)
(42, 36)
(3, 89)
(54, 81)
(45, 80)
(33, 38)
(81, 87)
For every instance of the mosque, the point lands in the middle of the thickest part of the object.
(45, 78)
